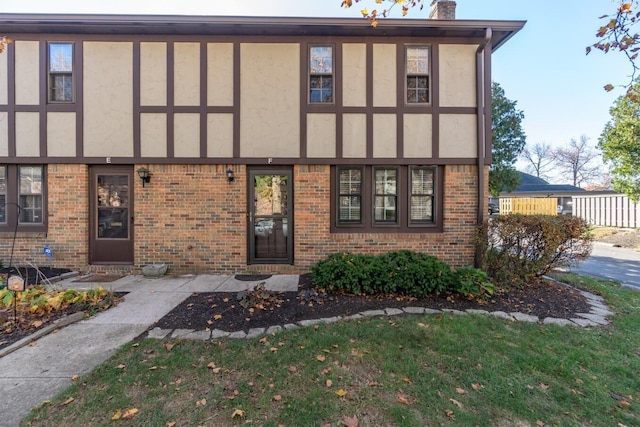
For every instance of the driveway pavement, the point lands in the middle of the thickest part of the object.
(609, 262)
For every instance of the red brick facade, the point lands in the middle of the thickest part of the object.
(192, 218)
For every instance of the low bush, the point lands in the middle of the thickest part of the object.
(473, 283)
(514, 249)
(402, 272)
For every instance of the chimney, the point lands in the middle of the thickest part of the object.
(443, 9)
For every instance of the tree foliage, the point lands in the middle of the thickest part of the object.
(576, 162)
(619, 34)
(620, 144)
(508, 141)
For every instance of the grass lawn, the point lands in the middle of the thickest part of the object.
(410, 371)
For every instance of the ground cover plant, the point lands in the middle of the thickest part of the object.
(426, 370)
(21, 313)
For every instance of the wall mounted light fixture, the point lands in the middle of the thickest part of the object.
(144, 175)
(230, 176)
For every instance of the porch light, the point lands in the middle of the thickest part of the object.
(230, 176)
(144, 175)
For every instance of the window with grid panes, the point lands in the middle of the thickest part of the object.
(320, 74)
(385, 195)
(60, 72)
(417, 69)
(350, 195)
(422, 194)
(22, 198)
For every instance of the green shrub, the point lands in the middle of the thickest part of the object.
(402, 272)
(514, 249)
(473, 283)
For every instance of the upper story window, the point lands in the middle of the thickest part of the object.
(22, 198)
(60, 72)
(320, 74)
(417, 69)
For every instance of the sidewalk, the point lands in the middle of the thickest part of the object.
(33, 374)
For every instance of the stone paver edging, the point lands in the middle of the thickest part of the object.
(596, 317)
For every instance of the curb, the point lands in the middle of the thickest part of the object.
(56, 324)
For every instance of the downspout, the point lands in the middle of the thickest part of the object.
(481, 136)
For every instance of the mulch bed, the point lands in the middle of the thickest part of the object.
(235, 312)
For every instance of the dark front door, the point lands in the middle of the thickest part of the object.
(111, 213)
(270, 216)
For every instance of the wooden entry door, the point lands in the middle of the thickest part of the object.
(270, 228)
(111, 215)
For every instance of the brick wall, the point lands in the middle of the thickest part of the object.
(68, 213)
(191, 217)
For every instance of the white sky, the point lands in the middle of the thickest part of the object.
(544, 67)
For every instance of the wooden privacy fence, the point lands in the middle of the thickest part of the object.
(529, 206)
(610, 210)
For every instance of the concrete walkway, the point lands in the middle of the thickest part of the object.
(33, 374)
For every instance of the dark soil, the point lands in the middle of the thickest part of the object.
(241, 311)
(31, 275)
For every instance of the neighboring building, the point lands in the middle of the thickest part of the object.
(534, 187)
(269, 142)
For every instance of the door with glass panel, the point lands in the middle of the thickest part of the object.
(111, 198)
(270, 230)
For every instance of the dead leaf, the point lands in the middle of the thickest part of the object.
(129, 413)
(329, 383)
(277, 398)
(350, 421)
(37, 323)
(460, 390)
(455, 402)
(121, 366)
(211, 365)
(169, 346)
(321, 358)
(237, 413)
(403, 398)
(171, 424)
(153, 368)
(341, 392)
(217, 317)
(262, 340)
(544, 386)
(540, 423)
(476, 387)
(117, 415)
(201, 402)
(69, 400)
(449, 413)
(407, 380)
(74, 378)
(293, 369)
(274, 349)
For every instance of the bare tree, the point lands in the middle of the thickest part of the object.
(577, 162)
(539, 159)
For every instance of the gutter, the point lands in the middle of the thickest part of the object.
(481, 133)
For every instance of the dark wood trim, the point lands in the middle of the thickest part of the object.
(400, 98)
(11, 98)
(304, 96)
(78, 82)
(170, 100)
(338, 91)
(434, 93)
(487, 95)
(236, 99)
(44, 96)
(203, 99)
(137, 137)
(370, 89)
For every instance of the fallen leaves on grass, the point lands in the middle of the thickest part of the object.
(350, 421)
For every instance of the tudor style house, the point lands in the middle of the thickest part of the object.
(229, 144)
